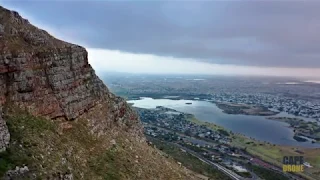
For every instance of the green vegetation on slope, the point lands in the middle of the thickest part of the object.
(25, 132)
(51, 149)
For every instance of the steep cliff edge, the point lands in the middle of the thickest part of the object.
(51, 78)
(63, 121)
(47, 76)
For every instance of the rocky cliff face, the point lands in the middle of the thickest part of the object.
(60, 119)
(46, 76)
(4, 134)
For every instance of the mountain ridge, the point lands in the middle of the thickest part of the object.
(56, 111)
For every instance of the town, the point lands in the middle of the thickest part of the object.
(171, 130)
(292, 96)
(207, 144)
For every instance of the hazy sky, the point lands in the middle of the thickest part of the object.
(207, 37)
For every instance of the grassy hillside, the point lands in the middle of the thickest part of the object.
(53, 149)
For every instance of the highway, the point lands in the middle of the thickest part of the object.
(229, 173)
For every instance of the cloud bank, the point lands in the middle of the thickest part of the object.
(280, 34)
(117, 61)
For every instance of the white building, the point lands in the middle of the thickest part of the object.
(239, 168)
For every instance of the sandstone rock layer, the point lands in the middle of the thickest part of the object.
(84, 132)
(51, 78)
(48, 77)
(4, 135)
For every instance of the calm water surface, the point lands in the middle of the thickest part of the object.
(257, 127)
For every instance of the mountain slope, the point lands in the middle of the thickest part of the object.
(63, 121)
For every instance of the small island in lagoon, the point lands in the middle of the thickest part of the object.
(245, 109)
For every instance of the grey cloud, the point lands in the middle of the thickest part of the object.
(274, 33)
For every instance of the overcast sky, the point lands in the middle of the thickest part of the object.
(208, 37)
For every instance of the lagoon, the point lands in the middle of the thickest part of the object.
(257, 127)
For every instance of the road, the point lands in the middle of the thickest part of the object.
(229, 173)
(199, 141)
(261, 163)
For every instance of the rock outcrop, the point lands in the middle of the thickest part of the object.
(4, 134)
(49, 77)
(64, 122)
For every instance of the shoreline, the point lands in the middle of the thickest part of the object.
(303, 131)
(265, 151)
(217, 127)
(270, 153)
(264, 117)
(200, 97)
